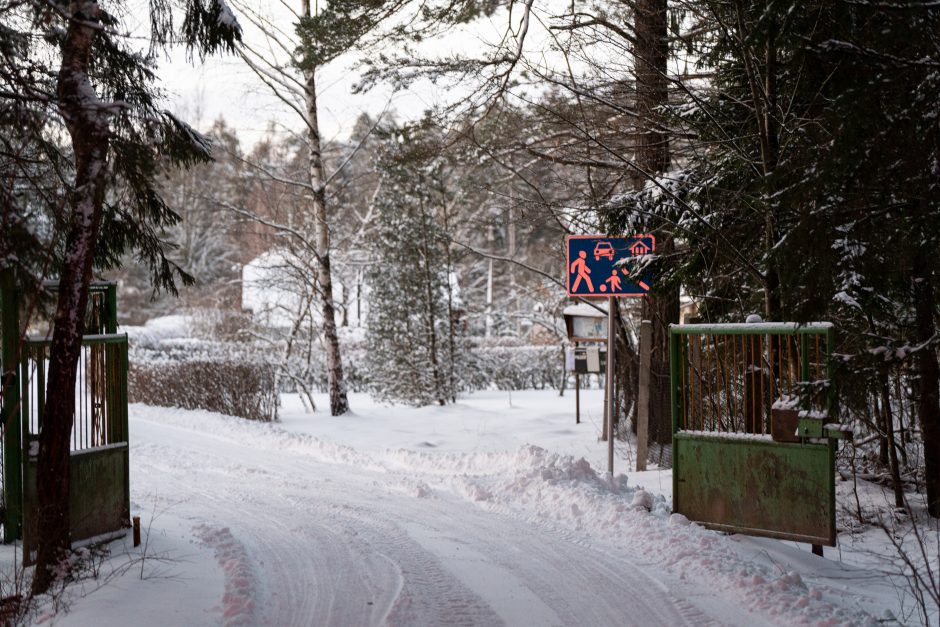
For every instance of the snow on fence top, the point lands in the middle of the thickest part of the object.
(752, 327)
(728, 435)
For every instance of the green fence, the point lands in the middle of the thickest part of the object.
(100, 417)
(753, 447)
(99, 493)
(99, 463)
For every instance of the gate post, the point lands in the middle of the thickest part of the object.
(10, 412)
(111, 305)
(674, 405)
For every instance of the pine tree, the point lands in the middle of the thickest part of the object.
(875, 180)
(811, 191)
(414, 343)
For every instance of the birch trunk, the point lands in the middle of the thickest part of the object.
(86, 119)
(339, 404)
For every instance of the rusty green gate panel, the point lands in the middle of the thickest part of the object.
(757, 487)
(753, 447)
(98, 503)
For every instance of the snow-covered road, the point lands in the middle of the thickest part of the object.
(271, 525)
(310, 540)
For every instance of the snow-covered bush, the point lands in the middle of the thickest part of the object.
(232, 378)
(517, 367)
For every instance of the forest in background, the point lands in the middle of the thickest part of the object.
(785, 154)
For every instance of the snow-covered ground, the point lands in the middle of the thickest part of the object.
(493, 511)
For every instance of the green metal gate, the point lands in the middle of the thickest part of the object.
(99, 496)
(753, 444)
(99, 462)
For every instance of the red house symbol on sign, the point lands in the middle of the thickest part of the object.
(639, 248)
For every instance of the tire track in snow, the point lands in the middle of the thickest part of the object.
(238, 603)
(319, 559)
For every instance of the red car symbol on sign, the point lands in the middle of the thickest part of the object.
(603, 249)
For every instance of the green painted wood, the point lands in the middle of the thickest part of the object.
(99, 487)
(97, 495)
(87, 340)
(752, 328)
(10, 375)
(756, 486)
(111, 308)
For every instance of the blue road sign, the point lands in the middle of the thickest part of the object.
(599, 266)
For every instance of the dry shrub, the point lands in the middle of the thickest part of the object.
(241, 389)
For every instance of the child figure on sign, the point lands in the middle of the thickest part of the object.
(614, 281)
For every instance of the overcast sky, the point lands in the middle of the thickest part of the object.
(226, 87)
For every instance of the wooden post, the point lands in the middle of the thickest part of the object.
(609, 388)
(136, 530)
(577, 398)
(643, 396)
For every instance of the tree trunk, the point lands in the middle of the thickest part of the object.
(928, 375)
(452, 320)
(881, 426)
(652, 158)
(891, 451)
(431, 323)
(339, 404)
(662, 310)
(87, 123)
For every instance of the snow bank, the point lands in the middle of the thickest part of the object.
(564, 492)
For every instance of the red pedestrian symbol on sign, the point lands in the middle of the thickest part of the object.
(580, 267)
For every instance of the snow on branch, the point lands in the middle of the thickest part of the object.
(185, 141)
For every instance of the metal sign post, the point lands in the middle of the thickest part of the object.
(608, 267)
(610, 385)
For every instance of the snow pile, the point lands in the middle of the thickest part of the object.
(566, 492)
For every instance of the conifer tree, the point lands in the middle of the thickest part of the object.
(413, 327)
(811, 192)
(99, 91)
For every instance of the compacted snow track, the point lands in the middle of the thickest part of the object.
(435, 516)
(309, 535)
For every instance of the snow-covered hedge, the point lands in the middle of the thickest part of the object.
(507, 365)
(170, 367)
(521, 367)
(227, 377)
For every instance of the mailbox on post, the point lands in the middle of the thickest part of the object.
(589, 360)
